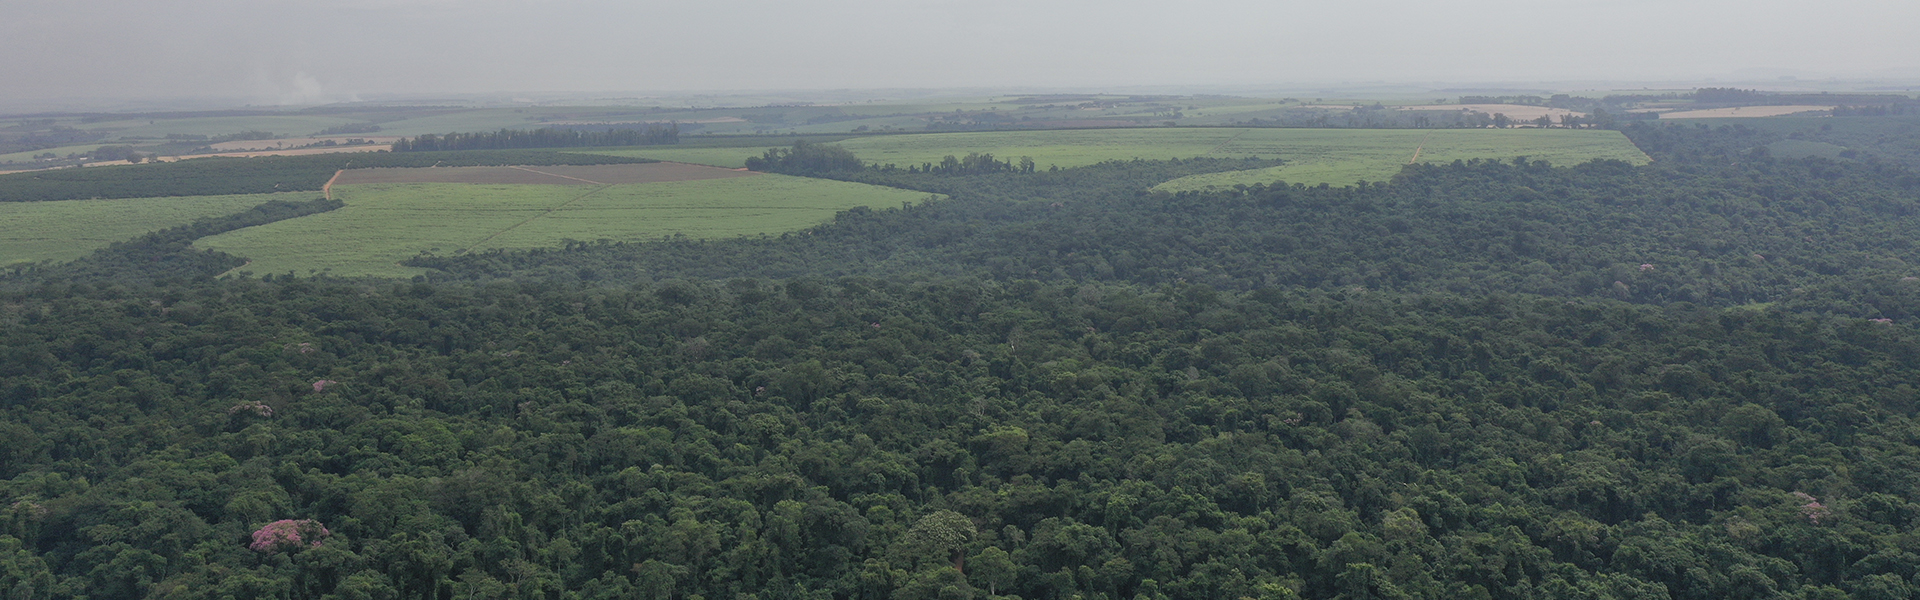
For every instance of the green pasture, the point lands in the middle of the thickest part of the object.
(383, 224)
(64, 230)
(1345, 156)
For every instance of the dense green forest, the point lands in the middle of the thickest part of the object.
(1498, 379)
(256, 175)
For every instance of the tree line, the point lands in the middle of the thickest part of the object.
(546, 137)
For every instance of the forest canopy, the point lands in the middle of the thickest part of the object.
(1490, 379)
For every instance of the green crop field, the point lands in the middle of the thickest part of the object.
(1344, 156)
(1331, 156)
(383, 224)
(68, 229)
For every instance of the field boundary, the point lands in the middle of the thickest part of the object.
(327, 190)
(555, 175)
(1236, 136)
(1418, 148)
(603, 187)
(234, 270)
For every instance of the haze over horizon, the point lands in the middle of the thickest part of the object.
(285, 52)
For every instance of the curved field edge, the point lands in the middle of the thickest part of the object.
(1315, 156)
(731, 158)
(384, 224)
(65, 230)
(1377, 155)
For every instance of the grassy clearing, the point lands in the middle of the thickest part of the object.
(64, 230)
(383, 224)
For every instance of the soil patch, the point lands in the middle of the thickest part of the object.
(549, 175)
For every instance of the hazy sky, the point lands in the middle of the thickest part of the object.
(302, 51)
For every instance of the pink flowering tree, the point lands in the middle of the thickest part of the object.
(1813, 510)
(321, 385)
(289, 533)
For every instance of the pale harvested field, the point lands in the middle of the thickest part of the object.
(1518, 112)
(294, 152)
(298, 152)
(1744, 111)
(550, 175)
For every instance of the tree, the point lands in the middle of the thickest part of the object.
(806, 158)
(942, 531)
(994, 569)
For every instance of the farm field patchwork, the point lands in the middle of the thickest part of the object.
(385, 223)
(1316, 156)
(155, 128)
(483, 119)
(64, 230)
(27, 156)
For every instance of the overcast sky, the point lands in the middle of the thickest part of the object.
(305, 51)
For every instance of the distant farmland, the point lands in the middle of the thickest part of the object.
(552, 175)
(385, 223)
(732, 158)
(1316, 156)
